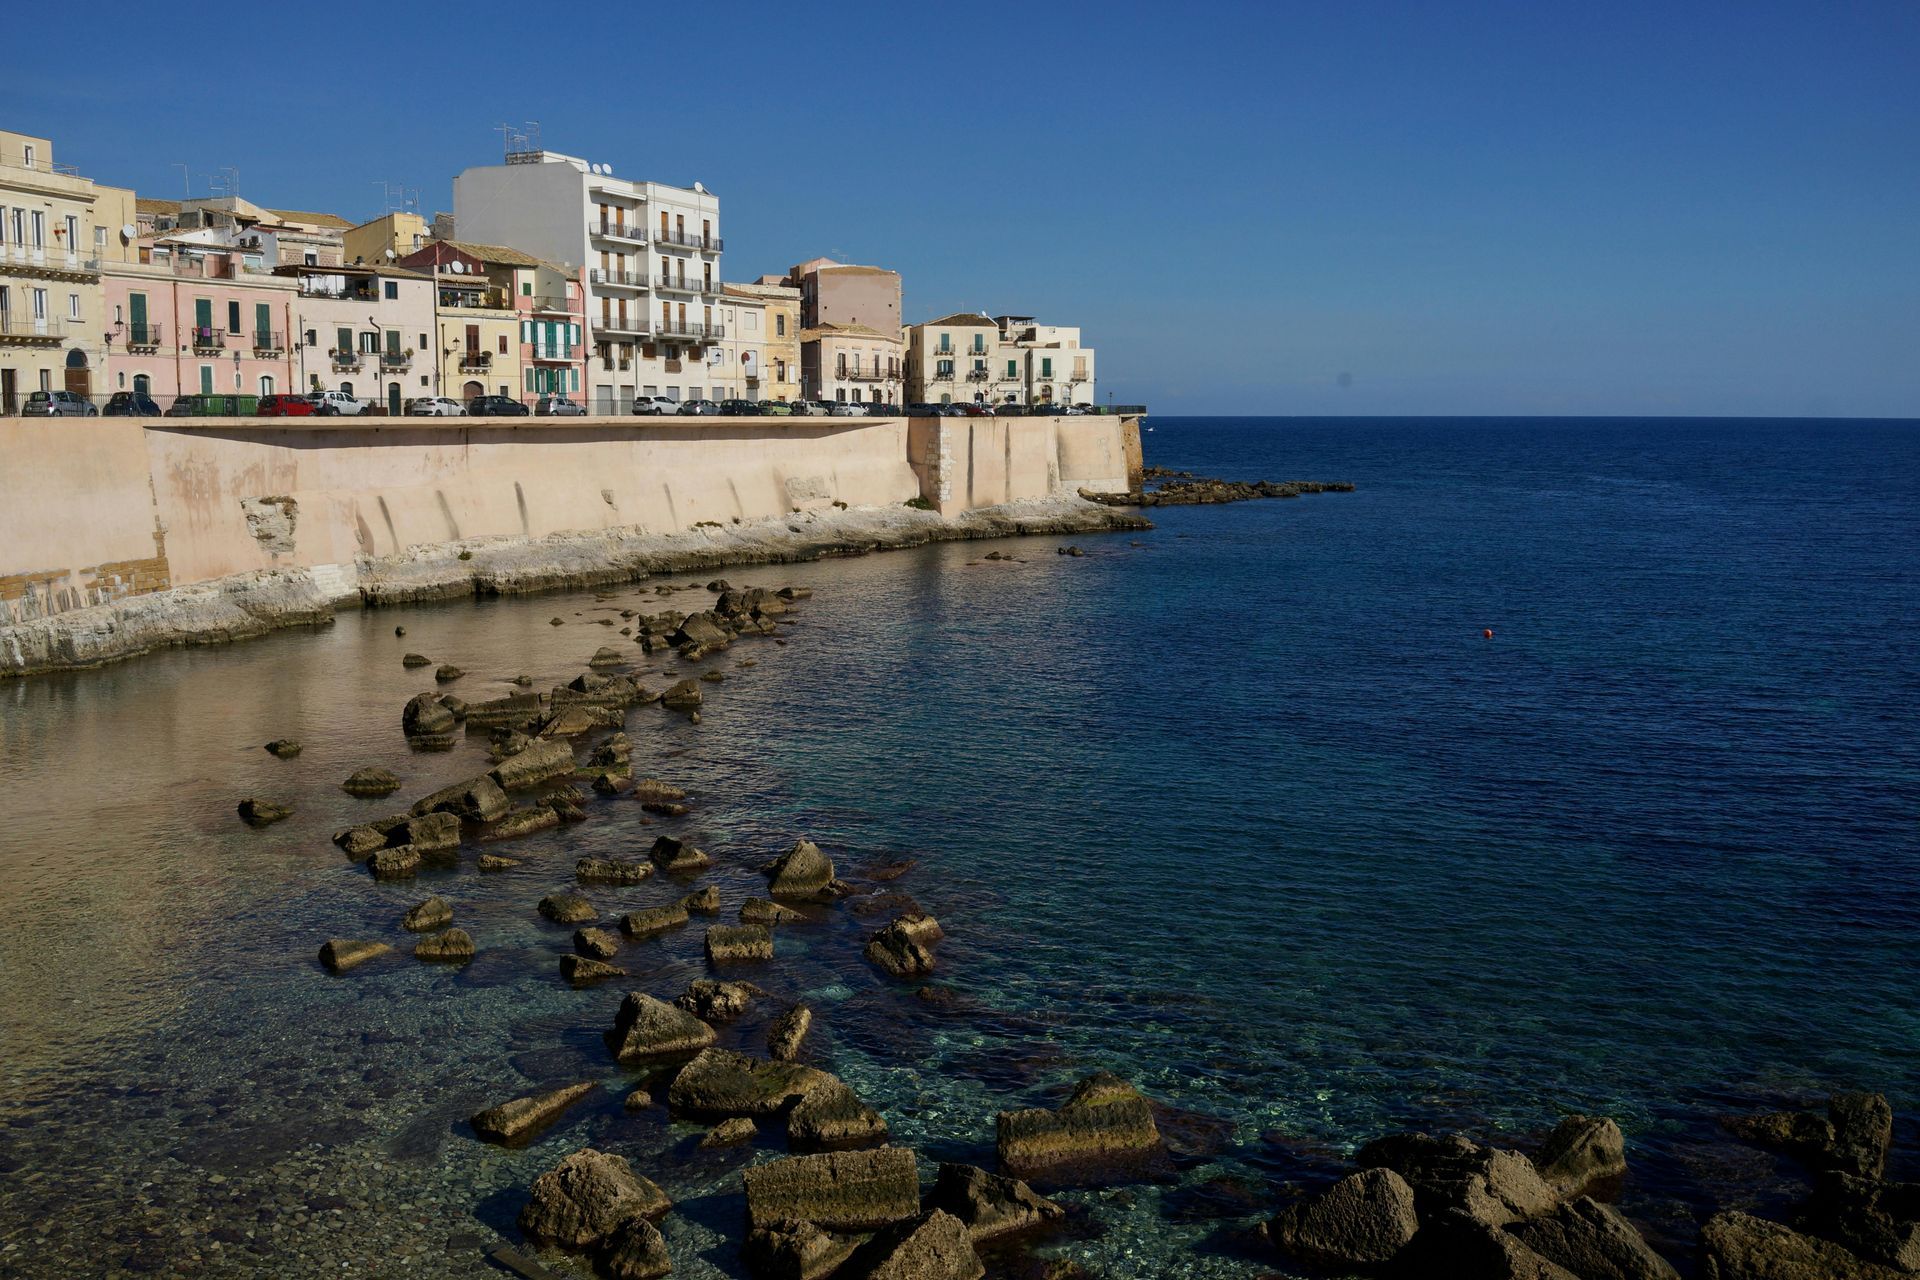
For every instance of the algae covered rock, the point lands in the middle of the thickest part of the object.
(720, 1083)
(263, 813)
(713, 1001)
(567, 908)
(832, 1117)
(988, 1204)
(802, 872)
(1582, 1152)
(452, 946)
(580, 1201)
(436, 912)
(652, 920)
(635, 1250)
(584, 970)
(835, 1190)
(1105, 1121)
(283, 748)
(522, 1118)
(901, 948)
(342, 954)
(676, 857)
(788, 1032)
(646, 1029)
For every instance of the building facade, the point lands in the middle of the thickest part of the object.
(282, 237)
(52, 244)
(954, 360)
(368, 331)
(779, 346)
(737, 365)
(192, 317)
(509, 324)
(850, 346)
(650, 251)
(1044, 363)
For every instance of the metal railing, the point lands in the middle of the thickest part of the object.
(868, 375)
(979, 375)
(684, 284)
(143, 335)
(395, 359)
(206, 339)
(18, 329)
(555, 306)
(345, 363)
(476, 361)
(624, 230)
(627, 279)
(690, 330)
(637, 325)
(269, 340)
(689, 240)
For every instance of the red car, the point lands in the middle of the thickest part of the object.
(284, 407)
(977, 410)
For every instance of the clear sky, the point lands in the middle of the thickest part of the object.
(1337, 207)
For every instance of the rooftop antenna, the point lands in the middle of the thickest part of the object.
(533, 134)
(186, 179)
(233, 180)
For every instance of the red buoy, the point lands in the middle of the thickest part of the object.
(1488, 633)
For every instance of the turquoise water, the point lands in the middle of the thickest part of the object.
(1246, 808)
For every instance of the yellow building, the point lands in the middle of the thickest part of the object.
(52, 241)
(953, 360)
(775, 349)
(388, 238)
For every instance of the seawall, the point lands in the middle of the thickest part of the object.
(122, 535)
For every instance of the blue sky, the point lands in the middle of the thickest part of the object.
(1295, 209)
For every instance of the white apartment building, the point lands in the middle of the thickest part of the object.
(970, 357)
(739, 366)
(652, 258)
(1042, 363)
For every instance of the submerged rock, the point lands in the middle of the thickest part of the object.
(540, 762)
(802, 872)
(494, 862)
(1362, 1220)
(399, 863)
(1105, 1121)
(423, 716)
(836, 1190)
(933, 1246)
(412, 660)
(434, 913)
(831, 1117)
(1853, 1137)
(988, 1204)
(730, 1133)
(447, 673)
(642, 924)
(567, 908)
(283, 748)
(523, 1117)
(738, 944)
(433, 832)
(523, 821)
(371, 783)
(684, 696)
(646, 1028)
(787, 1033)
(611, 871)
(1582, 1152)
(342, 954)
(262, 813)
(713, 1001)
(762, 911)
(580, 1201)
(704, 901)
(1592, 1241)
(720, 1082)
(477, 800)
(583, 970)
(452, 946)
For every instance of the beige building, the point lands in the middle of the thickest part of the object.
(736, 365)
(388, 238)
(364, 330)
(973, 358)
(850, 347)
(55, 232)
(280, 237)
(779, 346)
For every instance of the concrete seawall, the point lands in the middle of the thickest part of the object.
(238, 525)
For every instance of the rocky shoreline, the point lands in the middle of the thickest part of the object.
(1183, 488)
(256, 604)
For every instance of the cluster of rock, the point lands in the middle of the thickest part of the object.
(1196, 490)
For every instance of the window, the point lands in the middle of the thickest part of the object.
(343, 339)
(19, 237)
(27, 155)
(206, 379)
(73, 234)
(370, 342)
(39, 229)
(39, 304)
(943, 368)
(391, 290)
(1012, 369)
(503, 344)
(310, 260)
(233, 317)
(944, 347)
(313, 337)
(73, 306)
(1046, 366)
(526, 288)
(266, 384)
(423, 343)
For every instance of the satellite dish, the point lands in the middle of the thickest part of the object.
(458, 268)
(594, 167)
(606, 168)
(391, 255)
(697, 187)
(127, 232)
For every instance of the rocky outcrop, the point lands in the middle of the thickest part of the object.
(647, 1029)
(582, 1200)
(516, 710)
(738, 944)
(1195, 490)
(434, 913)
(933, 1246)
(730, 1133)
(494, 862)
(1455, 1174)
(676, 857)
(611, 871)
(1738, 1246)
(524, 820)
(988, 1204)
(342, 954)
(283, 748)
(584, 970)
(476, 800)
(451, 946)
(1852, 1137)
(703, 901)
(1581, 1154)
(598, 944)
(684, 696)
(1452, 1245)
(788, 1032)
(793, 1250)
(447, 673)
(764, 911)
(521, 1119)
(713, 1001)
(832, 1117)
(263, 813)
(1880, 1221)
(401, 862)
(541, 762)
(1593, 1242)
(429, 832)
(836, 1190)
(1363, 1220)
(426, 723)
(370, 783)
(802, 872)
(1105, 1122)
(643, 924)
(903, 948)
(719, 1082)
(567, 908)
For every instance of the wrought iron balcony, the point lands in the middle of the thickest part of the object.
(269, 340)
(619, 230)
(143, 337)
(622, 325)
(395, 359)
(689, 331)
(979, 375)
(476, 361)
(689, 240)
(617, 279)
(867, 375)
(205, 339)
(30, 331)
(681, 284)
(345, 362)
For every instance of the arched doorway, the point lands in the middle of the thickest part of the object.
(346, 388)
(142, 386)
(472, 390)
(393, 398)
(266, 384)
(79, 380)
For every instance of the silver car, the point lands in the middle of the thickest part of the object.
(662, 405)
(435, 407)
(58, 404)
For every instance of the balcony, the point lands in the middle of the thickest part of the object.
(143, 337)
(681, 284)
(209, 339)
(345, 362)
(396, 359)
(689, 240)
(940, 375)
(553, 355)
(633, 231)
(689, 331)
(476, 361)
(621, 326)
(31, 332)
(617, 279)
(57, 263)
(979, 375)
(268, 341)
(867, 375)
(554, 307)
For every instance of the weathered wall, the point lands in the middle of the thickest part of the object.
(96, 509)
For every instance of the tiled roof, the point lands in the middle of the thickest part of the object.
(964, 318)
(149, 204)
(333, 221)
(497, 253)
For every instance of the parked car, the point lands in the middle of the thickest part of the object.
(741, 408)
(700, 408)
(1074, 410)
(285, 406)
(881, 410)
(559, 407)
(1010, 410)
(435, 407)
(846, 409)
(58, 404)
(976, 410)
(776, 408)
(342, 403)
(808, 408)
(496, 407)
(131, 404)
(656, 405)
(213, 406)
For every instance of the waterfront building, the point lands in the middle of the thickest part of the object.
(650, 251)
(1043, 363)
(779, 346)
(953, 360)
(387, 238)
(52, 243)
(850, 346)
(737, 365)
(189, 313)
(365, 330)
(508, 323)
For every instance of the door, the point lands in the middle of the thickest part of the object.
(471, 390)
(137, 318)
(79, 380)
(203, 318)
(393, 396)
(9, 392)
(142, 386)
(263, 326)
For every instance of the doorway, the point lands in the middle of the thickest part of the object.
(393, 398)
(79, 380)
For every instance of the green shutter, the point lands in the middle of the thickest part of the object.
(529, 378)
(1046, 366)
(344, 339)
(262, 320)
(1012, 370)
(206, 376)
(203, 314)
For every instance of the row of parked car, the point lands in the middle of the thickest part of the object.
(49, 404)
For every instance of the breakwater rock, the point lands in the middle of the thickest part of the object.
(254, 604)
(1178, 488)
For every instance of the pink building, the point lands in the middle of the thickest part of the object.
(552, 323)
(192, 318)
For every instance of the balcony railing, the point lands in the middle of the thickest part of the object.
(620, 324)
(867, 375)
(689, 240)
(979, 375)
(554, 306)
(144, 337)
(619, 279)
(56, 261)
(476, 361)
(269, 340)
(940, 375)
(346, 362)
(209, 339)
(619, 230)
(683, 284)
(553, 355)
(395, 359)
(17, 329)
(689, 331)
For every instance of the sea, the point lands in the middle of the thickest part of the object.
(1565, 765)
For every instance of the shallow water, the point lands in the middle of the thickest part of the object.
(1245, 808)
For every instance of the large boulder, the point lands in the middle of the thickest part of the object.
(424, 717)
(1454, 1173)
(600, 944)
(1452, 1246)
(371, 783)
(1582, 1153)
(524, 820)
(1738, 1246)
(477, 800)
(1363, 1220)
(901, 948)
(542, 762)
(580, 1201)
(583, 971)
(988, 1204)
(1592, 1241)
(263, 813)
(793, 1250)
(835, 1190)
(430, 832)
(683, 696)
(567, 908)
(719, 1083)
(516, 709)
(832, 1117)
(611, 871)
(635, 1251)
(802, 872)
(516, 1121)
(449, 946)
(712, 1001)
(646, 1029)
(398, 863)
(933, 1246)
(767, 912)
(1852, 1137)
(738, 943)
(1106, 1121)
(677, 857)
(1880, 1221)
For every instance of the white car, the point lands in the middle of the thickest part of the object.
(436, 407)
(1075, 410)
(657, 405)
(847, 409)
(338, 402)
